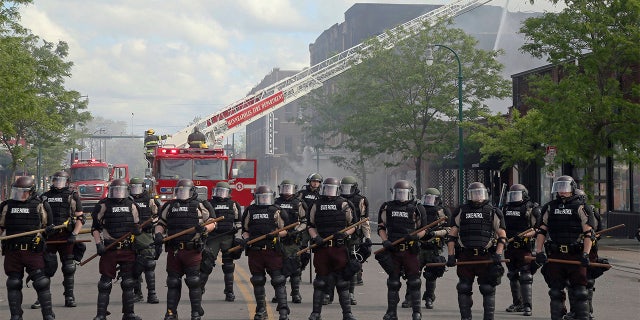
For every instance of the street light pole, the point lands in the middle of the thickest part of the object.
(460, 140)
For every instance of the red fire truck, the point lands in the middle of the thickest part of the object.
(206, 167)
(91, 178)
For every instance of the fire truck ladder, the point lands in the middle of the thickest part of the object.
(252, 107)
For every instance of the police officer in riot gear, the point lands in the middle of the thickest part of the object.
(222, 238)
(566, 220)
(185, 251)
(309, 194)
(475, 227)
(23, 212)
(296, 211)
(431, 245)
(263, 217)
(362, 236)
(148, 207)
(328, 216)
(114, 217)
(520, 214)
(66, 209)
(398, 218)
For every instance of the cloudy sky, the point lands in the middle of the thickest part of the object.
(159, 64)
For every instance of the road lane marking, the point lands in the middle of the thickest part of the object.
(246, 289)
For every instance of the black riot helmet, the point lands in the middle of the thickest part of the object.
(349, 186)
(330, 187)
(136, 186)
(518, 193)
(477, 192)
(402, 191)
(264, 196)
(222, 190)
(564, 184)
(314, 177)
(118, 189)
(60, 180)
(185, 189)
(23, 188)
(287, 188)
(431, 197)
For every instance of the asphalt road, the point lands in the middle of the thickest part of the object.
(617, 294)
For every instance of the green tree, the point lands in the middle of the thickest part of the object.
(395, 104)
(594, 105)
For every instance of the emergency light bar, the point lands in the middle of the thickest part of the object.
(170, 151)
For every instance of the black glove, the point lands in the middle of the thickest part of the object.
(48, 230)
(157, 239)
(339, 237)
(541, 258)
(71, 239)
(318, 241)
(388, 245)
(158, 249)
(430, 235)
(451, 260)
(411, 237)
(136, 231)
(200, 228)
(270, 237)
(497, 258)
(367, 243)
(584, 260)
(100, 248)
(241, 242)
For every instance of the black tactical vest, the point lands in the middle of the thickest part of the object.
(291, 206)
(60, 202)
(563, 222)
(182, 215)
(144, 210)
(22, 217)
(356, 199)
(329, 217)
(400, 219)
(516, 219)
(433, 213)
(118, 217)
(261, 221)
(308, 196)
(223, 208)
(476, 226)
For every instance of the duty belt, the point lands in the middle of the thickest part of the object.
(432, 244)
(564, 248)
(475, 251)
(189, 245)
(124, 244)
(519, 243)
(263, 247)
(403, 246)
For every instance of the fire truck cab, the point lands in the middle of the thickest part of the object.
(91, 178)
(206, 167)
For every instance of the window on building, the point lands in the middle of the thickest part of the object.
(621, 187)
(636, 188)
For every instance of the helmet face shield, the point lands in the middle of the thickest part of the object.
(330, 190)
(401, 194)
(221, 192)
(562, 186)
(478, 195)
(20, 194)
(117, 192)
(136, 189)
(347, 188)
(264, 199)
(182, 193)
(429, 200)
(59, 182)
(515, 196)
(287, 189)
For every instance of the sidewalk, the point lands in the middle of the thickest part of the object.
(622, 253)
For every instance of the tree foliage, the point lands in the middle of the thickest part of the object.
(395, 104)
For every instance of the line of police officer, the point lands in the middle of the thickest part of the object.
(475, 227)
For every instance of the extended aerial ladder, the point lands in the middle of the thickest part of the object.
(250, 108)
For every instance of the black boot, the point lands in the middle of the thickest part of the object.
(465, 302)
(393, 298)
(352, 289)
(489, 305)
(258, 282)
(343, 296)
(174, 292)
(429, 294)
(278, 281)
(295, 288)
(407, 301)
(516, 296)
(227, 269)
(127, 285)
(556, 304)
(137, 290)
(192, 279)
(581, 303)
(319, 284)
(14, 295)
(526, 293)
(150, 277)
(413, 289)
(41, 284)
(104, 290)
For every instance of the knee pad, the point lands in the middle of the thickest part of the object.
(278, 280)
(127, 282)
(228, 267)
(487, 289)
(513, 275)
(258, 279)
(173, 281)
(319, 283)
(414, 283)
(14, 283)
(149, 264)
(342, 284)
(580, 293)
(526, 278)
(192, 281)
(591, 283)
(68, 267)
(40, 280)
(393, 283)
(464, 286)
(104, 284)
(556, 294)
